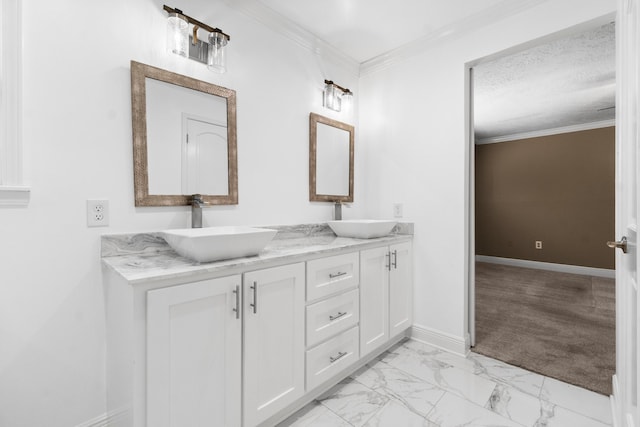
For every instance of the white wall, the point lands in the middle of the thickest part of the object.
(412, 117)
(78, 145)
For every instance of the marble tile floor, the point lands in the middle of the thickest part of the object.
(414, 384)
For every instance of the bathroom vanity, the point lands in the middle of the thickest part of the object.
(247, 341)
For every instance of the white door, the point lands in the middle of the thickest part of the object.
(400, 289)
(193, 354)
(273, 374)
(204, 157)
(627, 340)
(374, 298)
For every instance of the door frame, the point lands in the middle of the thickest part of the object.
(626, 381)
(469, 225)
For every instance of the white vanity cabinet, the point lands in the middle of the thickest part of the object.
(246, 344)
(194, 354)
(273, 340)
(385, 294)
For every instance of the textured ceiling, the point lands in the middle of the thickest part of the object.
(566, 82)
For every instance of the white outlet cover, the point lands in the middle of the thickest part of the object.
(397, 210)
(97, 213)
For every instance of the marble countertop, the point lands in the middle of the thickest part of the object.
(145, 257)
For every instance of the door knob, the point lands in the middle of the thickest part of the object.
(621, 244)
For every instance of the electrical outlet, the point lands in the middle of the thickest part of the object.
(397, 210)
(538, 244)
(97, 213)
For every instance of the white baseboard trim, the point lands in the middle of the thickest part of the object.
(561, 268)
(104, 420)
(443, 340)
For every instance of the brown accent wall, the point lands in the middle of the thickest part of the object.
(558, 189)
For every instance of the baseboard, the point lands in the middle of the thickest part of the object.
(105, 420)
(561, 268)
(443, 340)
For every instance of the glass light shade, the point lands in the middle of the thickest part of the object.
(178, 34)
(347, 101)
(331, 99)
(216, 58)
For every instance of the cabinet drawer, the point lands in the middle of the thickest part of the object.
(331, 357)
(332, 316)
(326, 276)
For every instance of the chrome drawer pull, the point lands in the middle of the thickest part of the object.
(395, 260)
(255, 297)
(338, 274)
(337, 316)
(237, 309)
(388, 266)
(340, 355)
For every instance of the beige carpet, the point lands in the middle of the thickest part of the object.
(557, 324)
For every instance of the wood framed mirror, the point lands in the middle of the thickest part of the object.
(184, 139)
(331, 148)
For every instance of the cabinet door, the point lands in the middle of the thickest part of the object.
(273, 340)
(374, 299)
(193, 354)
(400, 289)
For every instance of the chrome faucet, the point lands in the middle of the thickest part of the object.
(337, 213)
(196, 210)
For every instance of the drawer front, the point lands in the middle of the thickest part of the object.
(327, 276)
(331, 357)
(332, 316)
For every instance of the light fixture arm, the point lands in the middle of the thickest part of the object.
(197, 24)
(343, 89)
(194, 37)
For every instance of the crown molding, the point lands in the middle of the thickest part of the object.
(547, 132)
(294, 32)
(497, 12)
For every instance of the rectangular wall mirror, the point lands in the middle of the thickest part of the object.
(331, 145)
(184, 139)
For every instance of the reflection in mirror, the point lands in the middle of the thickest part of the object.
(199, 122)
(184, 133)
(332, 160)
(331, 152)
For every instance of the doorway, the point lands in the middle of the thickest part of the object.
(533, 233)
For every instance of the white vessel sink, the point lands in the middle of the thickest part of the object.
(362, 228)
(218, 243)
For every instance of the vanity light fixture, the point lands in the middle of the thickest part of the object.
(336, 97)
(180, 42)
